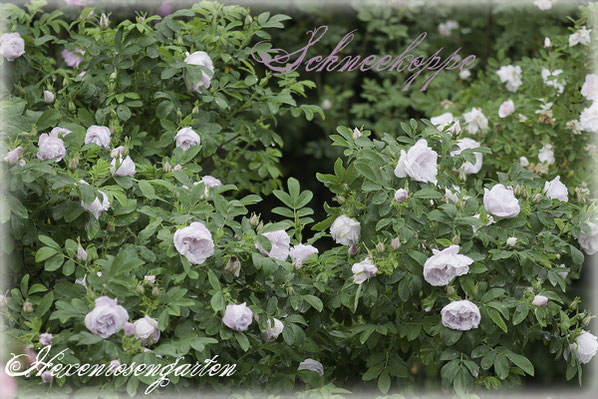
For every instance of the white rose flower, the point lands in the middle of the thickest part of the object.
(48, 96)
(187, 138)
(301, 253)
(501, 202)
(194, 242)
(345, 231)
(50, 147)
(546, 154)
(511, 75)
(401, 195)
(512, 241)
(208, 182)
(326, 104)
(201, 58)
(589, 241)
(237, 317)
(419, 163)
(12, 46)
(589, 118)
(447, 119)
(313, 365)
(543, 4)
(99, 135)
(556, 190)
(465, 74)
(449, 195)
(363, 270)
(356, 133)
(590, 87)
(272, 331)
(585, 347)
(476, 121)
(13, 156)
(506, 109)
(280, 242)
(126, 168)
(147, 330)
(465, 144)
(461, 315)
(540, 300)
(575, 126)
(60, 131)
(442, 267)
(549, 79)
(581, 36)
(547, 42)
(446, 28)
(96, 207)
(475, 228)
(524, 162)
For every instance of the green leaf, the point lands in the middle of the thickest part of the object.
(242, 340)
(501, 366)
(522, 362)
(217, 302)
(497, 319)
(384, 382)
(44, 253)
(314, 301)
(520, 314)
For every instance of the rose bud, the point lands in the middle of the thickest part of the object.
(74, 163)
(27, 307)
(395, 243)
(81, 254)
(48, 96)
(511, 241)
(129, 329)
(340, 199)
(540, 300)
(46, 339)
(537, 198)
(254, 220)
(155, 291)
(140, 289)
(151, 279)
(401, 195)
(233, 266)
(345, 187)
(380, 247)
(352, 250)
(47, 377)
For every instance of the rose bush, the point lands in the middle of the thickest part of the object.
(138, 149)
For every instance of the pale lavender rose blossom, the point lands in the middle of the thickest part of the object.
(194, 242)
(461, 315)
(151, 279)
(506, 108)
(147, 330)
(466, 144)
(585, 347)
(48, 96)
(99, 135)
(590, 87)
(312, 365)
(12, 46)
(96, 207)
(50, 147)
(129, 329)
(419, 163)
(8, 384)
(443, 266)
(71, 59)
(201, 58)
(556, 190)
(208, 182)
(47, 377)
(345, 231)
(589, 241)
(401, 195)
(126, 167)
(13, 156)
(237, 317)
(106, 318)
(540, 300)
(273, 330)
(187, 138)
(363, 271)
(301, 253)
(46, 339)
(501, 202)
(280, 243)
(60, 131)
